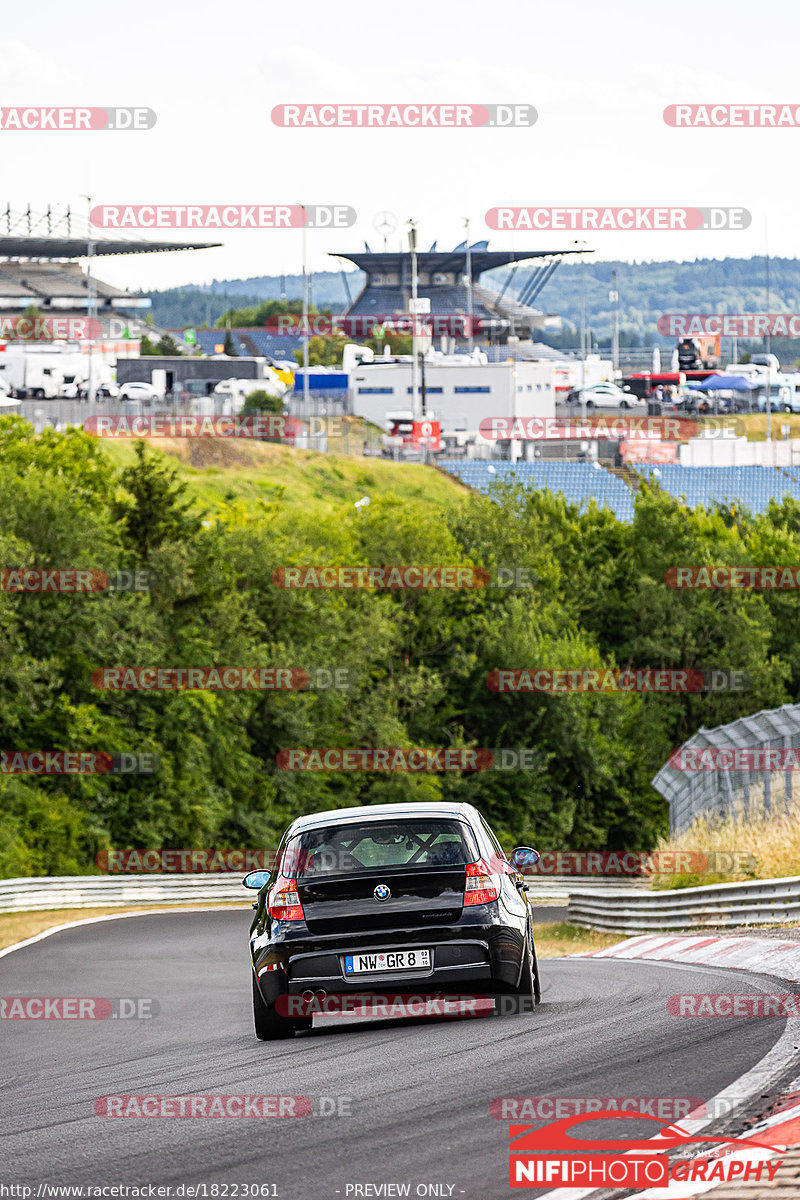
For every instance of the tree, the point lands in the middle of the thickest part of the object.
(398, 343)
(230, 349)
(155, 510)
(322, 352)
(260, 401)
(146, 346)
(167, 346)
(32, 313)
(255, 315)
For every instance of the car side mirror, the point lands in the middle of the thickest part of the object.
(257, 879)
(524, 856)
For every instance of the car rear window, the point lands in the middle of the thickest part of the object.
(364, 846)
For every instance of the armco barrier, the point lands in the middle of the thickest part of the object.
(124, 891)
(719, 905)
(115, 891)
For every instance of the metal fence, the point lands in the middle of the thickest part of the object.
(719, 905)
(108, 891)
(720, 794)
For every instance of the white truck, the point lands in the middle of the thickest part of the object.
(39, 371)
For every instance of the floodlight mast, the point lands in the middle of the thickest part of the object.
(412, 245)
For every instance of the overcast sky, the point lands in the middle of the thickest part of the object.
(600, 77)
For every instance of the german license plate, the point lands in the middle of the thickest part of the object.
(386, 960)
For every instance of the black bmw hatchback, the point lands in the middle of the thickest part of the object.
(387, 898)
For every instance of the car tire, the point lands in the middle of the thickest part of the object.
(590, 403)
(527, 993)
(624, 404)
(269, 1026)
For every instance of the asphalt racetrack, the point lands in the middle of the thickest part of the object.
(409, 1099)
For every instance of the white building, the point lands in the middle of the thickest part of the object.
(460, 391)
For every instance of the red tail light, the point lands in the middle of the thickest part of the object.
(481, 886)
(283, 902)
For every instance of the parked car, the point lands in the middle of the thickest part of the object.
(139, 391)
(406, 897)
(606, 395)
(102, 391)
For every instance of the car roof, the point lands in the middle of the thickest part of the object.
(336, 816)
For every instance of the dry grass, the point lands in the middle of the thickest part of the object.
(221, 472)
(773, 842)
(553, 941)
(17, 927)
(755, 425)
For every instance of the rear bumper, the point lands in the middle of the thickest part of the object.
(473, 957)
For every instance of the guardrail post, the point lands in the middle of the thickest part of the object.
(787, 778)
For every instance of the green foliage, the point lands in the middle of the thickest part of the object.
(155, 510)
(322, 352)
(417, 661)
(260, 401)
(256, 315)
(167, 346)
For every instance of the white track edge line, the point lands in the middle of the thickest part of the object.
(770, 1067)
(152, 912)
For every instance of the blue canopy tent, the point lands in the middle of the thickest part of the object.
(723, 383)
(716, 384)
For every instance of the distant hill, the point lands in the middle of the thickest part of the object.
(176, 308)
(646, 290)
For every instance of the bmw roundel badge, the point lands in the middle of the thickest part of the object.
(382, 892)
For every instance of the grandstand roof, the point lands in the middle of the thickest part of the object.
(446, 260)
(16, 246)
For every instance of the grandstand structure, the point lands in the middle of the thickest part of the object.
(442, 276)
(751, 487)
(256, 343)
(445, 278)
(578, 482)
(40, 267)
